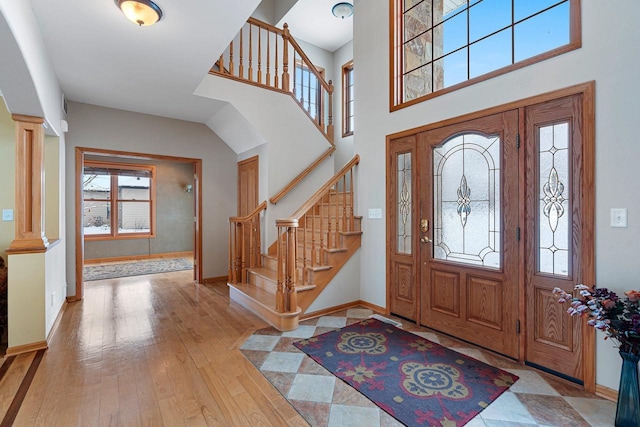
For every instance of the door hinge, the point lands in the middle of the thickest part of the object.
(518, 234)
(518, 141)
(195, 219)
(518, 327)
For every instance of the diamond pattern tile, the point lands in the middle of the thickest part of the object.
(536, 399)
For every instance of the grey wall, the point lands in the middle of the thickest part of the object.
(99, 127)
(609, 58)
(174, 214)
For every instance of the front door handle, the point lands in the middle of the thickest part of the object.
(425, 239)
(424, 225)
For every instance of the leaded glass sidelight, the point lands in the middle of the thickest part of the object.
(553, 205)
(403, 209)
(466, 200)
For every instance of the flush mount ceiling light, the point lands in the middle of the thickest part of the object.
(140, 12)
(342, 10)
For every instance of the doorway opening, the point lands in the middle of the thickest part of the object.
(136, 214)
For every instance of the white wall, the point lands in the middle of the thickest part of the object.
(99, 127)
(610, 57)
(293, 143)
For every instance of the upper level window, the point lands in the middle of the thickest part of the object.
(347, 99)
(308, 90)
(442, 45)
(118, 200)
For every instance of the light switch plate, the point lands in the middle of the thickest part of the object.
(619, 217)
(375, 213)
(7, 214)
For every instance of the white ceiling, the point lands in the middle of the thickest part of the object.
(313, 22)
(102, 58)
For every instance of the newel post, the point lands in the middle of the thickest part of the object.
(285, 57)
(286, 294)
(330, 126)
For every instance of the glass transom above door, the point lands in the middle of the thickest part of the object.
(466, 200)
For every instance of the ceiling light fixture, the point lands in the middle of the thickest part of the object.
(140, 12)
(342, 10)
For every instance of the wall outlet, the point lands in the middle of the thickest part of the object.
(375, 213)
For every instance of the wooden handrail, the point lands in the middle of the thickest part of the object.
(314, 70)
(262, 206)
(275, 44)
(295, 181)
(318, 226)
(244, 244)
(326, 187)
(264, 25)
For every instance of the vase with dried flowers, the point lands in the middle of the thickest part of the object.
(619, 319)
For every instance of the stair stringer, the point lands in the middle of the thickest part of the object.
(322, 279)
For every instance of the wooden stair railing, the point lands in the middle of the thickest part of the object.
(265, 48)
(244, 244)
(324, 217)
(295, 181)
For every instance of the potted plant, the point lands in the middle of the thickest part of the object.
(619, 319)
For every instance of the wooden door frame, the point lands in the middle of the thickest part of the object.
(587, 90)
(80, 153)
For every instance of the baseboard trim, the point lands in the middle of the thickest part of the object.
(185, 254)
(26, 348)
(207, 280)
(341, 307)
(374, 307)
(56, 322)
(606, 393)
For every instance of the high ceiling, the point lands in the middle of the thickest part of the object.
(101, 58)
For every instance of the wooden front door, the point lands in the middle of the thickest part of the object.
(468, 231)
(558, 218)
(248, 185)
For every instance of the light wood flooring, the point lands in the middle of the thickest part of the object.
(149, 350)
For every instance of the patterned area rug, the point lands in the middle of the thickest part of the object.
(137, 268)
(419, 382)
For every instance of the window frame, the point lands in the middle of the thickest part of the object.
(396, 59)
(347, 112)
(114, 200)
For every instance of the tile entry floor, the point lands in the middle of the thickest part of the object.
(536, 399)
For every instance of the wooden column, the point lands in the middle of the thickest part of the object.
(29, 207)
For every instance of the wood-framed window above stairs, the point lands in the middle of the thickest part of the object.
(313, 244)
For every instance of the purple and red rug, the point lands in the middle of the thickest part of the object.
(419, 382)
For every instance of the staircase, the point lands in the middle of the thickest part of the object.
(312, 246)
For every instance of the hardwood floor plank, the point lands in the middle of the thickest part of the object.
(12, 380)
(155, 350)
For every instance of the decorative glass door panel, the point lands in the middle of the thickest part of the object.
(466, 200)
(553, 204)
(403, 204)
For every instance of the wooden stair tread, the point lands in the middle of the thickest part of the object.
(262, 303)
(267, 273)
(260, 295)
